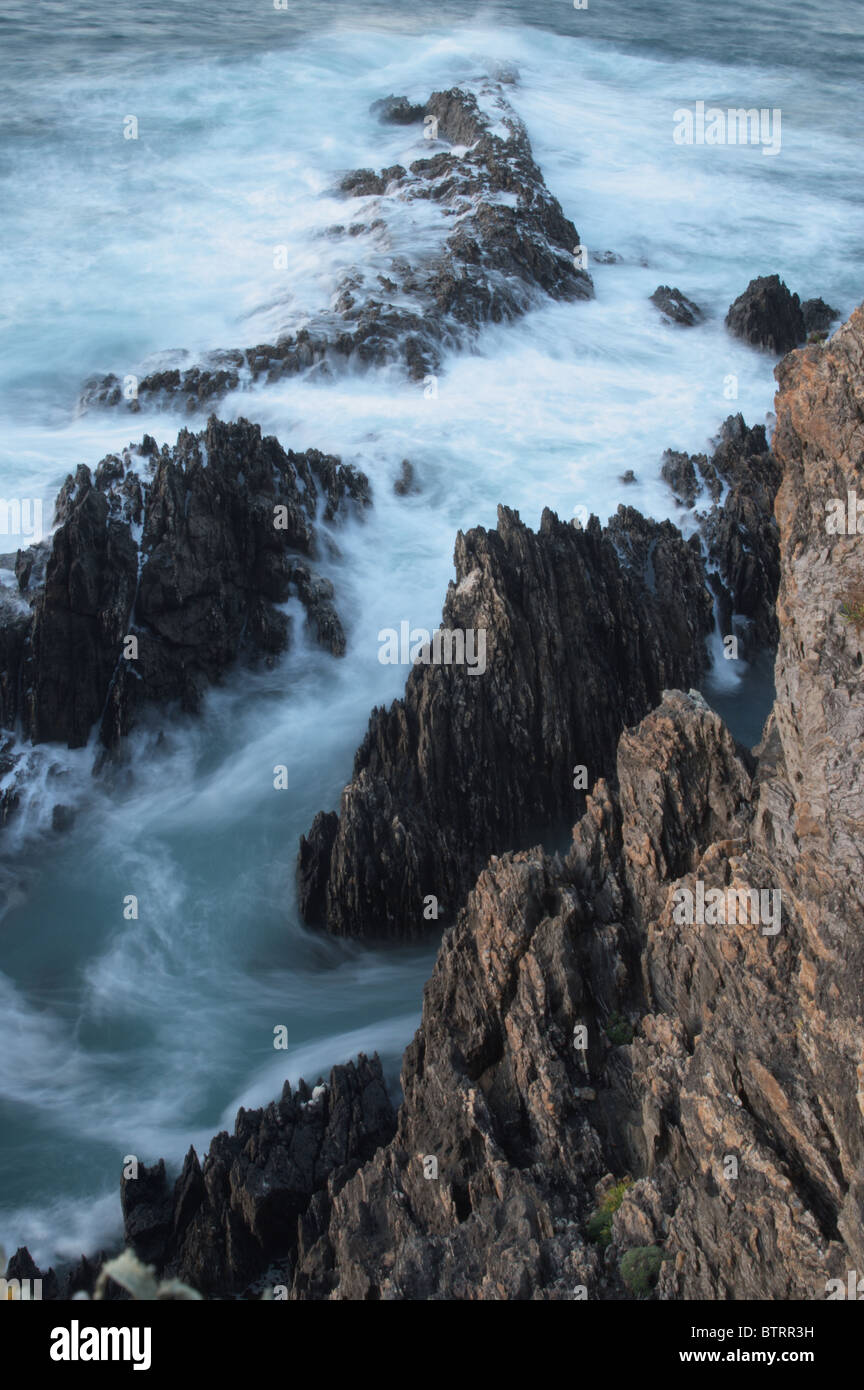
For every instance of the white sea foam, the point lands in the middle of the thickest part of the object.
(141, 1036)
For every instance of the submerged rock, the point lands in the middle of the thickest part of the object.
(676, 307)
(398, 110)
(406, 483)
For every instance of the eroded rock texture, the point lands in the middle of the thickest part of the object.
(732, 497)
(737, 1106)
(676, 307)
(502, 244)
(767, 315)
(220, 1223)
(583, 1037)
(188, 551)
(584, 629)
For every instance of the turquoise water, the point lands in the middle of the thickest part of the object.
(140, 1037)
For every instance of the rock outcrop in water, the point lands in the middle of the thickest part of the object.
(716, 1095)
(189, 552)
(583, 631)
(640, 1068)
(818, 316)
(219, 1225)
(503, 243)
(767, 315)
(676, 307)
(732, 497)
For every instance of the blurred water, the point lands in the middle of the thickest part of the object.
(139, 1037)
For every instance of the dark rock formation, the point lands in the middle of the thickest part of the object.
(406, 483)
(818, 316)
(739, 484)
(676, 307)
(593, 1043)
(721, 1071)
(219, 1225)
(23, 1268)
(187, 552)
(504, 244)
(768, 316)
(583, 630)
(221, 1222)
(398, 110)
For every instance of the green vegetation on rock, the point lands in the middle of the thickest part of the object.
(599, 1228)
(640, 1267)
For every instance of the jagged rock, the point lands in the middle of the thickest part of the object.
(497, 1093)
(728, 1110)
(740, 534)
(583, 630)
(220, 1224)
(398, 110)
(737, 1106)
(818, 316)
(679, 472)
(23, 1267)
(504, 244)
(187, 552)
(676, 307)
(767, 316)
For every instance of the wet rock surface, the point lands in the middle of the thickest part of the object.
(503, 244)
(591, 1055)
(767, 315)
(583, 630)
(166, 568)
(676, 307)
(731, 496)
(818, 316)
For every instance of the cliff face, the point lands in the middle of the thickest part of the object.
(695, 1054)
(640, 1067)
(737, 1105)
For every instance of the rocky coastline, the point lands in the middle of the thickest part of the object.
(613, 1093)
(605, 1098)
